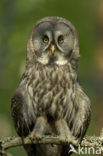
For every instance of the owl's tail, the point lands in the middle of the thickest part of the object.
(47, 150)
(30, 150)
(44, 150)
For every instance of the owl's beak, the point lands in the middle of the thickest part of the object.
(52, 48)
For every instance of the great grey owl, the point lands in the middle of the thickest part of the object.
(49, 99)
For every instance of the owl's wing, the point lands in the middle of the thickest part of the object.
(20, 117)
(19, 113)
(83, 114)
(81, 117)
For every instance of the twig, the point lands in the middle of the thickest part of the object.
(90, 141)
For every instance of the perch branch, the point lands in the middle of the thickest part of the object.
(6, 143)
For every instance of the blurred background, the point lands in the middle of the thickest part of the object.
(17, 19)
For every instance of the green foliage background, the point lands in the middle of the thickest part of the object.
(17, 18)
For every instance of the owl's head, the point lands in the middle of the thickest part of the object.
(53, 41)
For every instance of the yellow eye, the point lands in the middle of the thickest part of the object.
(45, 39)
(60, 39)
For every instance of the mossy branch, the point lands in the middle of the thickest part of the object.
(10, 142)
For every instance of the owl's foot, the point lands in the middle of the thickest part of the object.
(72, 140)
(39, 129)
(35, 136)
(65, 133)
(69, 139)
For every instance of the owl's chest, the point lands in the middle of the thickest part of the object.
(51, 93)
(56, 101)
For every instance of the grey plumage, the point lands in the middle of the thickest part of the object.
(49, 99)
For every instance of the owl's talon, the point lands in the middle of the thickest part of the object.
(74, 142)
(70, 140)
(34, 136)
